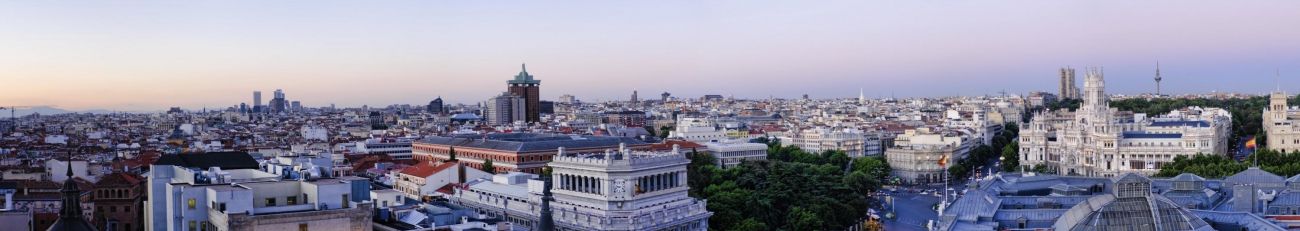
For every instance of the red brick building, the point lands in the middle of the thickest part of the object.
(119, 201)
(523, 152)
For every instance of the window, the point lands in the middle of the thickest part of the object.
(223, 207)
(270, 201)
(190, 204)
(302, 227)
(112, 209)
(193, 226)
(99, 208)
(128, 226)
(126, 208)
(291, 200)
(203, 226)
(345, 201)
(304, 198)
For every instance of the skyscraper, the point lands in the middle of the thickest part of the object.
(505, 109)
(634, 98)
(277, 102)
(525, 87)
(664, 96)
(257, 101)
(1068, 89)
(435, 106)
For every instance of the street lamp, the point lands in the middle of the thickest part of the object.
(1001, 160)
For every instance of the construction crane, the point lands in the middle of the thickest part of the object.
(13, 109)
(1004, 93)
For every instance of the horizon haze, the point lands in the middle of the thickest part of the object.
(149, 56)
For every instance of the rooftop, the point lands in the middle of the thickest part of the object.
(524, 142)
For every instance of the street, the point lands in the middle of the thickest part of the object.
(913, 209)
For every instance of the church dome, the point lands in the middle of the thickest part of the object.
(1132, 206)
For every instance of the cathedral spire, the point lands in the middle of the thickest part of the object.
(70, 217)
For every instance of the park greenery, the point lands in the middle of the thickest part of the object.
(1217, 166)
(791, 190)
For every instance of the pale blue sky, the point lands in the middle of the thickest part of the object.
(150, 55)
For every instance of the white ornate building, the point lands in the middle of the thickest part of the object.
(1097, 140)
(1280, 126)
(614, 190)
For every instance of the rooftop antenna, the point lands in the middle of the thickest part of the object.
(1279, 80)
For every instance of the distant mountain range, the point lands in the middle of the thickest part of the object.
(55, 111)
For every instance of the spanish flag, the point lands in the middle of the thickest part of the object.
(1250, 143)
(943, 161)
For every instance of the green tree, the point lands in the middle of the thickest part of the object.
(749, 224)
(1011, 157)
(664, 130)
(876, 167)
(650, 129)
(803, 219)
(1040, 168)
(699, 173)
(958, 172)
(451, 154)
(487, 166)
(839, 159)
(862, 183)
(999, 142)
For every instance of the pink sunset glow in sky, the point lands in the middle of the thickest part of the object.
(150, 55)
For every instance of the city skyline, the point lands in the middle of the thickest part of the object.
(155, 56)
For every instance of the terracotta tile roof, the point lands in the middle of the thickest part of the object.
(685, 146)
(427, 169)
(118, 178)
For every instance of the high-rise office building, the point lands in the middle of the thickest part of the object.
(1068, 89)
(634, 98)
(525, 87)
(277, 102)
(664, 96)
(505, 109)
(256, 99)
(297, 106)
(435, 106)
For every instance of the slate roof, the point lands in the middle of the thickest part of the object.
(1253, 174)
(1129, 177)
(1245, 220)
(1139, 135)
(974, 205)
(1187, 177)
(1181, 123)
(1286, 198)
(225, 160)
(1028, 214)
(525, 142)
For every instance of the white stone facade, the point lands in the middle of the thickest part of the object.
(1279, 123)
(1097, 140)
(731, 154)
(616, 190)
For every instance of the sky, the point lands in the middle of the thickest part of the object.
(151, 55)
